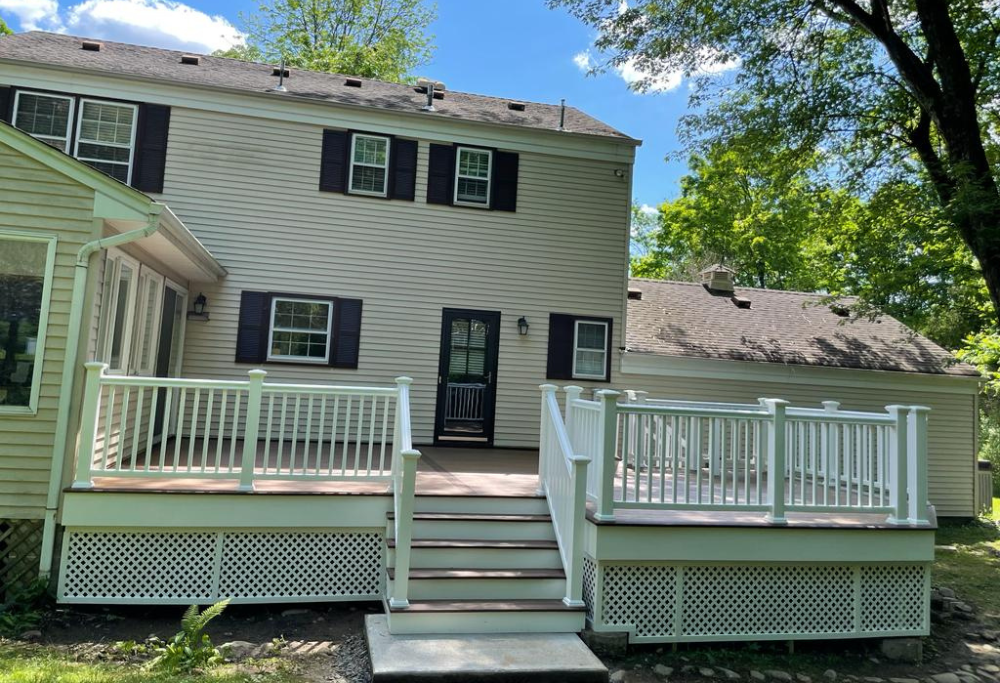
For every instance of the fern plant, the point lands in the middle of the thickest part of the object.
(191, 648)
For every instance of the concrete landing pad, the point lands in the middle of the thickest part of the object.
(493, 658)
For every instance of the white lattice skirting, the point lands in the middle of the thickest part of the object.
(659, 602)
(167, 567)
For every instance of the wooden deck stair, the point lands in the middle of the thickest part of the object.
(482, 565)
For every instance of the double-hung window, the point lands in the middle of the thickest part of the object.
(590, 350)
(44, 116)
(472, 176)
(106, 137)
(26, 266)
(369, 172)
(301, 330)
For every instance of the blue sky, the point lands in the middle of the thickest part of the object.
(507, 48)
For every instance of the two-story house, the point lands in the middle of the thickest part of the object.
(215, 273)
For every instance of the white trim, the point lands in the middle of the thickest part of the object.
(488, 179)
(116, 259)
(130, 146)
(69, 118)
(576, 340)
(43, 317)
(350, 173)
(300, 359)
(648, 364)
(147, 278)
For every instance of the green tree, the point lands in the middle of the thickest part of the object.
(4, 28)
(895, 90)
(384, 39)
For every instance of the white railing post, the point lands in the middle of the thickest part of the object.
(917, 468)
(604, 459)
(776, 457)
(405, 499)
(574, 568)
(898, 461)
(251, 429)
(543, 434)
(572, 393)
(91, 413)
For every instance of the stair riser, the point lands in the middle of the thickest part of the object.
(486, 531)
(482, 505)
(481, 558)
(486, 622)
(485, 589)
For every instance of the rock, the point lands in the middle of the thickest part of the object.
(802, 678)
(294, 612)
(963, 607)
(967, 667)
(872, 679)
(946, 678)
(757, 676)
(830, 675)
(728, 674)
(706, 672)
(946, 593)
(990, 668)
(617, 676)
(909, 650)
(779, 675)
(238, 650)
(662, 670)
(903, 680)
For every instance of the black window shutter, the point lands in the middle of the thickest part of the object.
(6, 103)
(404, 169)
(151, 148)
(333, 163)
(346, 333)
(254, 326)
(441, 174)
(560, 360)
(505, 166)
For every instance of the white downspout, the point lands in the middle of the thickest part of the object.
(66, 395)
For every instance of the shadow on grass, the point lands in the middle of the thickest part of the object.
(967, 560)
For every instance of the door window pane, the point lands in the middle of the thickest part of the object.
(468, 349)
(23, 267)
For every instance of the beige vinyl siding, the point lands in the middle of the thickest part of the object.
(248, 188)
(35, 198)
(951, 424)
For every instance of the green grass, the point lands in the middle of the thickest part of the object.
(36, 664)
(968, 561)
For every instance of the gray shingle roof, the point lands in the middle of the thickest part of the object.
(792, 328)
(123, 59)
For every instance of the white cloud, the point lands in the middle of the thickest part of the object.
(583, 60)
(159, 23)
(32, 14)
(649, 210)
(651, 82)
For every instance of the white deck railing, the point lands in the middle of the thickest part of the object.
(765, 457)
(562, 478)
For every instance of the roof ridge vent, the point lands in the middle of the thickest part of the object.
(634, 293)
(352, 82)
(718, 279)
(92, 45)
(514, 105)
(194, 60)
(741, 302)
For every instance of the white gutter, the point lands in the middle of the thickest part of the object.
(69, 374)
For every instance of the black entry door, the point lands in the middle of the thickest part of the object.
(467, 376)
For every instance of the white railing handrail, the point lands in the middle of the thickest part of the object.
(171, 382)
(404, 484)
(562, 478)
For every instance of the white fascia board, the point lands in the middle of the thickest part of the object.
(638, 364)
(286, 107)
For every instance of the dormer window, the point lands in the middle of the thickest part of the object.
(472, 177)
(44, 116)
(369, 165)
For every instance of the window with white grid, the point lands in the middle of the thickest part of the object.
(300, 330)
(45, 117)
(590, 350)
(472, 177)
(106, 137)
(369, 165)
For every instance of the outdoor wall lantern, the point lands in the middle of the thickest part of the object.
(199, 312)
(522, 326)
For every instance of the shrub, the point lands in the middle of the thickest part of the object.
(191, 648)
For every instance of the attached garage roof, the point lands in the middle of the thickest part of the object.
(790, 328)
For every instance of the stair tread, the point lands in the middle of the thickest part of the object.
(482, 573)
(487, 606)
(476, 517)
(476, 543)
